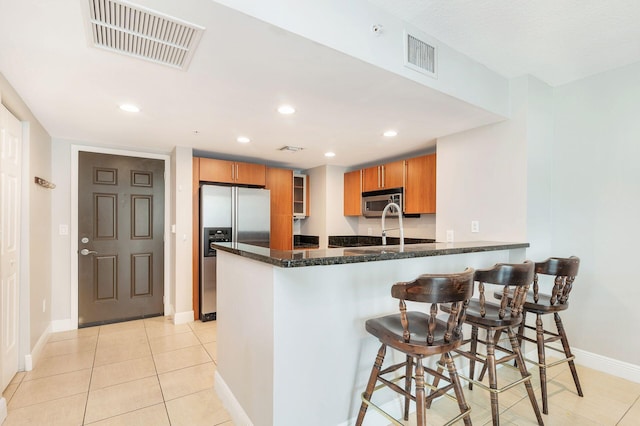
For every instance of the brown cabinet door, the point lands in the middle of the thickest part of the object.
(280, 184)
(213, 170)
(250, 174)
(352, 193)
(392, 175)
(371, 179)
(420, 185)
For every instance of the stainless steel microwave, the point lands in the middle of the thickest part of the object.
(373, 203)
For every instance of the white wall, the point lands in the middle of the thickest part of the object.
(540, 145)
(596, 187)
(181, 261)
(326, 185)
(481, 175)
(346, 27)
(414, 227)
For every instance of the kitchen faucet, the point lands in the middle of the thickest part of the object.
(384, 231)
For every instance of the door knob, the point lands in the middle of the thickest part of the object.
(86, 252)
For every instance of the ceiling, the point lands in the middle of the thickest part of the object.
(244, 68)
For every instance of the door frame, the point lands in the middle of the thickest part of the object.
(167, 285)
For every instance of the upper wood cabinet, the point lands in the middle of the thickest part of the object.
(353, 193)
(214, 170)
(279, 182)
(384, 176)
(420, 185)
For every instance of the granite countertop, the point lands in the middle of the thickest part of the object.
(344, 255)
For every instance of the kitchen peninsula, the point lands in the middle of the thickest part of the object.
(292, 348)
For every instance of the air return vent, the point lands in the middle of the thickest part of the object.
(132, 30)
(420, 56)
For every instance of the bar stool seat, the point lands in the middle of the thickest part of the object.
(419, 335)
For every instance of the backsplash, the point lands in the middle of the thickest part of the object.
(370, 240)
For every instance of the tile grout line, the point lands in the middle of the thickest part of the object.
(155, 367)
(95, 353)
(628, 409)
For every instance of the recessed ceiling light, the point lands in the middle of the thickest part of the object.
(243, 139)
(129, 108)
(286, 109)
(390, 133)
(329, 154)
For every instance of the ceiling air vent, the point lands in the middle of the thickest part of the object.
(420, 56)
(132, 30)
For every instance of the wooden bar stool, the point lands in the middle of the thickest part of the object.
(495, 319)
(419, 335)
(564, 270)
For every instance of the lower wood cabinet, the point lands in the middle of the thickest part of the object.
(279, 182)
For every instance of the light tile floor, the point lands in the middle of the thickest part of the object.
(608, 400)
(151, 372)
(145, 372)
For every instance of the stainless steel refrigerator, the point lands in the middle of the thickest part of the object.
(228, 214)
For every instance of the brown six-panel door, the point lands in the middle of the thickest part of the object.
(121, 233)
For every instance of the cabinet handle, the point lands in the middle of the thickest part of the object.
(382, 180)
(233, 172)
(237, 172)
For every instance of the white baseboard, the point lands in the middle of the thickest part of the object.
(624, 370)
(230, 402)
(183, 317)
(3, 410)
(30, 360)
(62, 325)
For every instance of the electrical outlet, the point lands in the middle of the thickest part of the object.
(475, 226)
(63, 230)
(369, 231)
(449, 235)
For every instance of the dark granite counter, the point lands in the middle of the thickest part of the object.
(305, 242)
(344, 255)
(371, 240)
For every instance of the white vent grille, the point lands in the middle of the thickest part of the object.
(135, 31)
(420, 56)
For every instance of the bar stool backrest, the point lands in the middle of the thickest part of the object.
(515, 280)
(565, 271)
(453, 289)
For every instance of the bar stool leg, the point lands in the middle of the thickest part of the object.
(407, 386)
(493, 380)
(542, 366)
(457, 387)
(523, 371)
(436, 379)
(420, 401)
(521, 334)
(474, 351)
(377, 365)
(496, 340)
(567, 352)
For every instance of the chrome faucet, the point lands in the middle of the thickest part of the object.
(384, 230)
